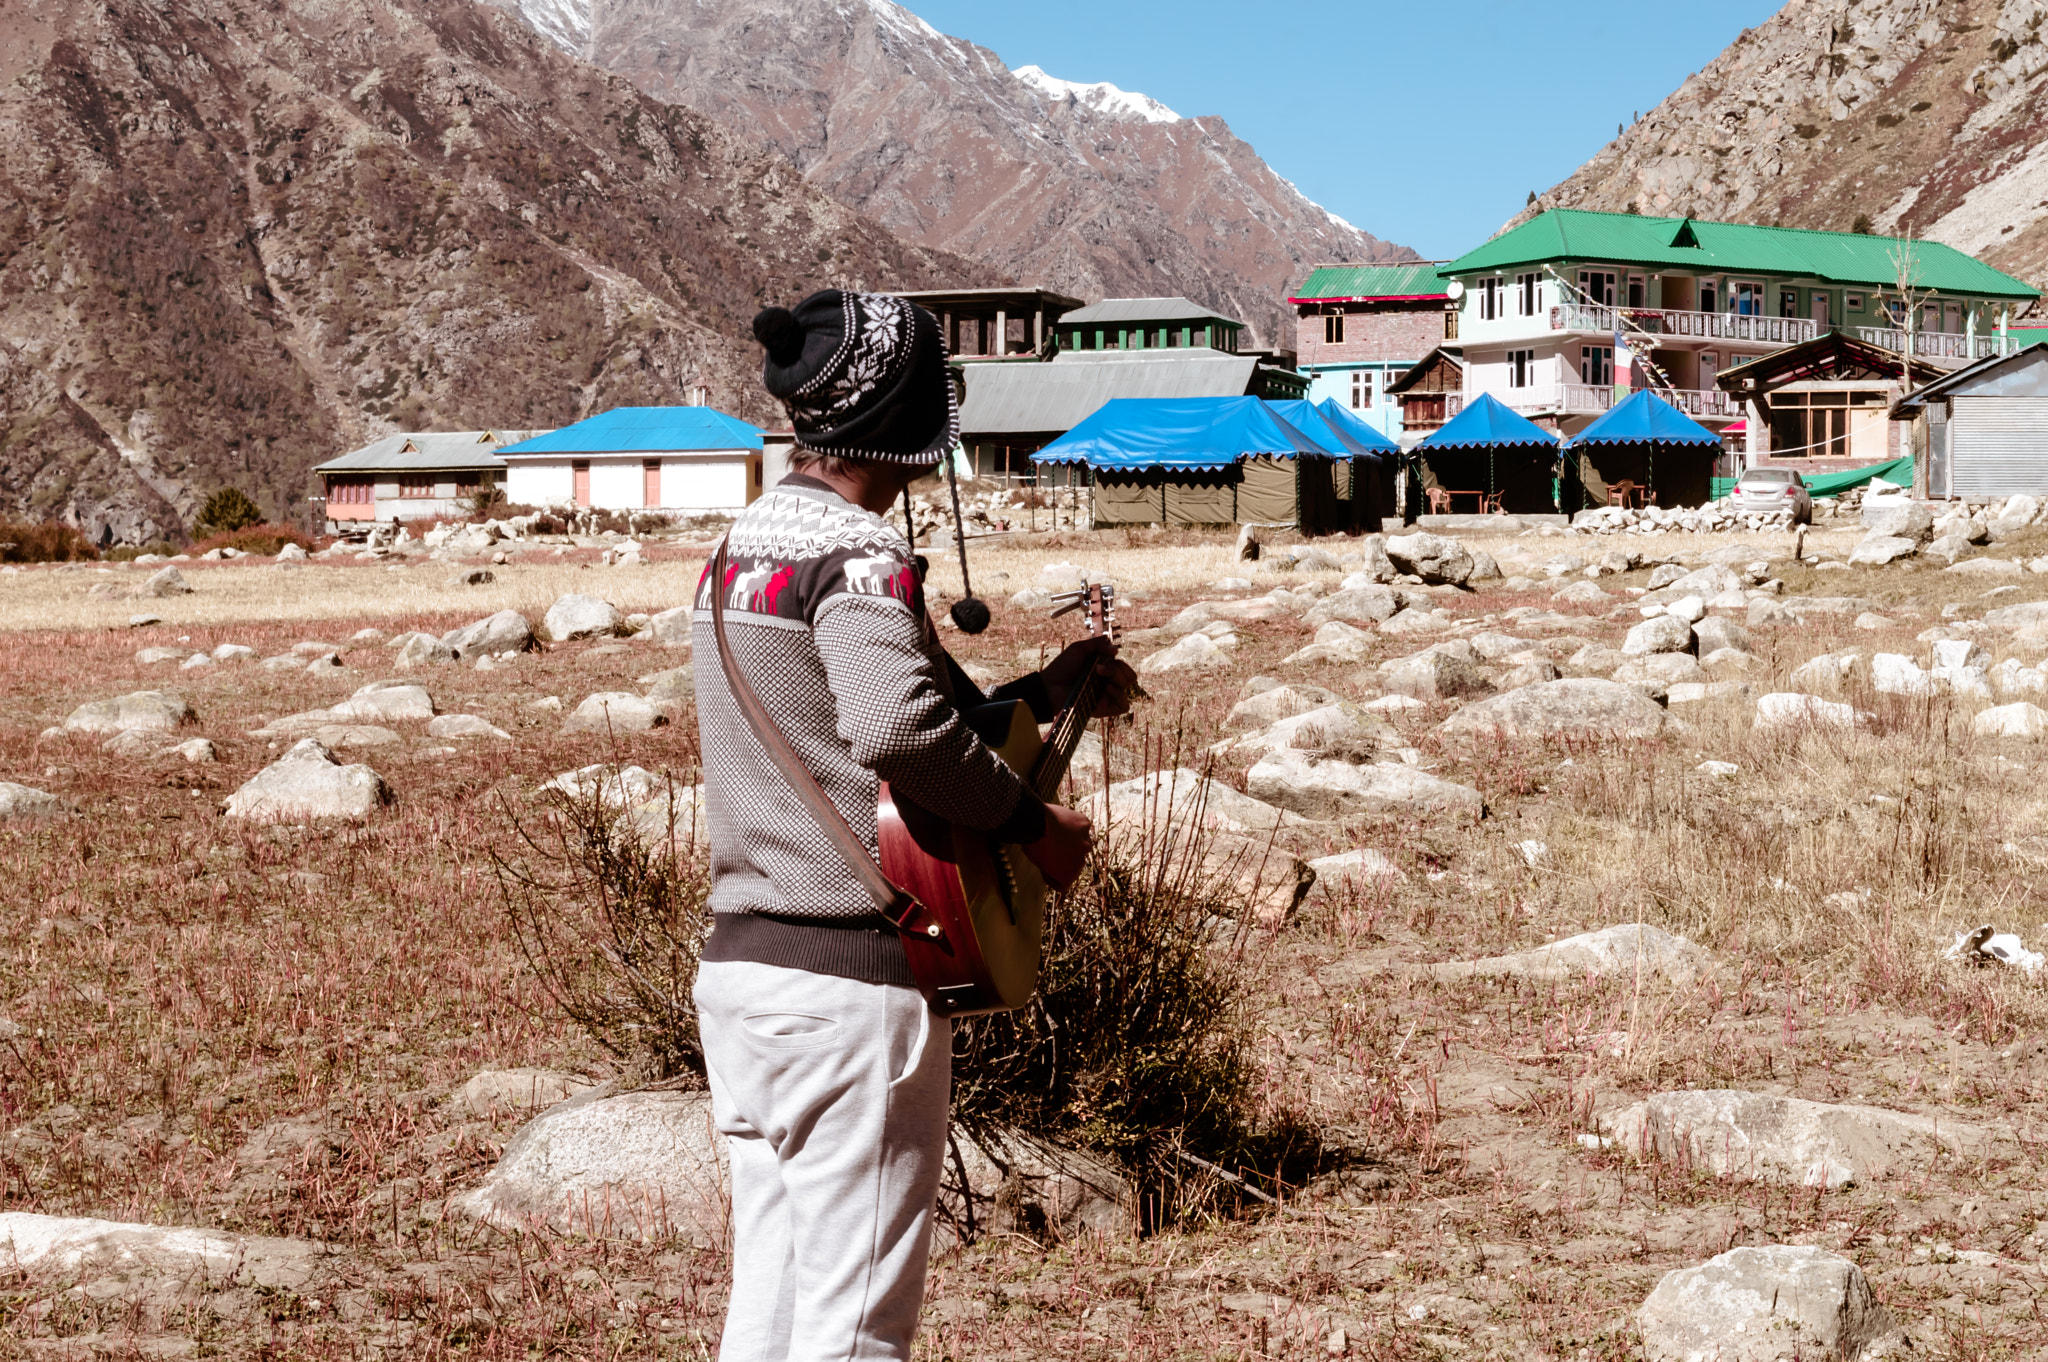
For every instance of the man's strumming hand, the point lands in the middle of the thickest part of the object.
(1063, 850)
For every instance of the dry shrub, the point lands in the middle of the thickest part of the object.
(613, 925)
(263, 540)
(50, 541)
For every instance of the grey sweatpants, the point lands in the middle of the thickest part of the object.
(832, 1096)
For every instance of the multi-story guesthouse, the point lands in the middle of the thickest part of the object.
(1360, 328)
(1542, 309)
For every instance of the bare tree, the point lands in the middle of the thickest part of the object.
(1905, 257)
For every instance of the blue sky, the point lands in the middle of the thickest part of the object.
(1424, 124)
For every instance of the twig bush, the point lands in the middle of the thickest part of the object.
(264, 540)
(49, 541)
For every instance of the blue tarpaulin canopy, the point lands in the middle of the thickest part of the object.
(1356, 436)
(646, 430)
(1130, 433)
(1644, 418)
(1488, 423)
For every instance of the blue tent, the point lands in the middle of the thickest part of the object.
(1178, 432)
(1347, 422)
(1202, 461)
(1647, 444)
(1492, 454)
(1364, 481)
(1644, 418)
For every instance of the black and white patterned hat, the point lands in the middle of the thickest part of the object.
(862, 375)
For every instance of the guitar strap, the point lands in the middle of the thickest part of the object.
(904, 913)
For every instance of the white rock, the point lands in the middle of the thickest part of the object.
(2019, 720)
(1665, 634)
(291, 553)
(198, 662)
(150, 657)
(464, 726)
(1583, 709)
(1364, 866)
(1184, 797)
(24, 801)
(499, 1092)
(307, 783)
(1987, 567)
(1334, 642)
(387, 700)
(198, 751)
(1788, 709)
(114, 1251)
(1434, 558)
(614, 711)
(1356, 605)
(1721, 769)
(1622, 950)
(1276, 703)
(1878, 550)
(1292, 779)
(166, 582)
(1343, 728)
(618, 787)
(1769, 1304)
(1196, 652)
(1691, 609)
(146, 709)
(577, 616)
(671, 628)
(505, 632)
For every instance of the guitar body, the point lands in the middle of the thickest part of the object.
(987, 900)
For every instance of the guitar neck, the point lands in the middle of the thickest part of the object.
(1067, 729)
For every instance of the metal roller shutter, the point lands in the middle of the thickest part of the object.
(1999, 446)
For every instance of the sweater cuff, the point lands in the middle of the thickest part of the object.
(1026, 823)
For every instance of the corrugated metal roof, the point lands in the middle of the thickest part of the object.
(1018, 399)
(1417, 280)
(645, 430)
(1726, 247)
(1144, 310)
(453, 449)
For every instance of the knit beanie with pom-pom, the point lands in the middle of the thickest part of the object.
(862, 375)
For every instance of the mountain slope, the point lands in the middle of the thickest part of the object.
(236, 240)
(1084, 188)
(1924, 115)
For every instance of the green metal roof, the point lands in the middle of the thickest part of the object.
(1417, 280)
(1699, 247)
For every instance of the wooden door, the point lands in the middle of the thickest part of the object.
(581, 471)
(650, 483)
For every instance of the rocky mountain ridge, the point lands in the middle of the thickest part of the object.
(1923, 116)
(1081, 187)
(236, 241)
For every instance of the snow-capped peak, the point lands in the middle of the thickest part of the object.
(565, 23)
(1101, 96)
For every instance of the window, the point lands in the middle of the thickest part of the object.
(1807, 425)
(1788, 302)
(351, 493)
(1746, 299)
(1529, 293)
(1707, 296)
(1598, 286)
(1638, 291)
(1596, 365)
(1450, 323)
(1855, 302)
(1489, 299)
(1333, 329)
(413, 486)
(1361, 389)
(1521, 368)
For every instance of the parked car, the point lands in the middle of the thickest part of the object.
(1773, 489)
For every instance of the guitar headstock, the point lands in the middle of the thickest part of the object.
(1098, 603)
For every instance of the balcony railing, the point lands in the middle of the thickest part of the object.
(1727, 326)
(1946, 345)
(1575, 399)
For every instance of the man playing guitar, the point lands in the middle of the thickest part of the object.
(830, 1076)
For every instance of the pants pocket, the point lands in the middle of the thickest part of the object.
(904, 1060)
(788, 1030)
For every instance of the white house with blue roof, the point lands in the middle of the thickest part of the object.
(681, 460)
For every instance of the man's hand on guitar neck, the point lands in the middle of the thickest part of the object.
(1063, 850)
(1065, 672)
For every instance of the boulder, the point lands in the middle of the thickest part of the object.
(308, 783)
(1790, 709)
(1664, 634)
(1334, 642)
(475, 576)
(234, 652)
(133, 742)
(1184, 796)
(127, 1256)
(1415, 620)
(1879, 549)
(1584, 709)
(1276, 703)
(1357, 605)
(1196, 652)
(1660, 669)
(637, 1165)
(1665, 575)
(671, 821)
(1533, 672)
(613, 711)
(1988, 567)
(1690, 608)
(1364, 867)
(1913, 520)
(1627, 950)
(156, 710)
(671, 628)
(1340, 729)
(577, 616)
(1732, 1133)
(498, 1091)
(1897, 674)
(2019, 720)
(1326, 789)
(1484, 569)
(505, 632)
(1434, 558)
(1716, 632)
(291, 553)
(464, 726)
(675, 685)
(1434, 675)
(1705, 582)
(150, 657)
(1494, 647)
(25, 801)
(2021, 616)
(198, 751)
(618, 787)
(1581, 593)
(1769, 1304)
(165, 582)
(387, 700)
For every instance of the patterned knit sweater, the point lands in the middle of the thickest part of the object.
(826, 618)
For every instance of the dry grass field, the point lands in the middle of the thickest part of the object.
(258, 1029)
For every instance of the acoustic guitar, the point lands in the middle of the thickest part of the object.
(976, 916)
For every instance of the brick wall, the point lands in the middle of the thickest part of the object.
(1372, 331)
